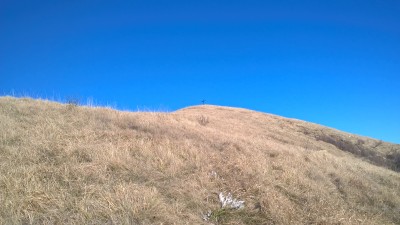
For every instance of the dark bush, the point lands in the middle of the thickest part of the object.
(391, 161)
(395, 158)
(340, 143)
(203, 120)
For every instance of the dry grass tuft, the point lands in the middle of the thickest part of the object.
(68, 164)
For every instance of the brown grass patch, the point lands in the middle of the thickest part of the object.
(63, 164)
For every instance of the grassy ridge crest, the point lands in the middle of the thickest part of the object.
(69, 164)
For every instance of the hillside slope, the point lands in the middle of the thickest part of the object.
(66, 164)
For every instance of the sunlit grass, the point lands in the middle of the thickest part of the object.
(67, 164)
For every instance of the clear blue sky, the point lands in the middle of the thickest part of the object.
(335, 63)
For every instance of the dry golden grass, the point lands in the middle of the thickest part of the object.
(66, 164)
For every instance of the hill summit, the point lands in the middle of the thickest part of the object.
(69, 164)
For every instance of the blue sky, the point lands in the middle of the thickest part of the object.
(335, 63)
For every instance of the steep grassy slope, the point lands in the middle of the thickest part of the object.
(63, 164)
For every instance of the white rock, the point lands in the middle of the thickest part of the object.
(207, 215)
(229, 202)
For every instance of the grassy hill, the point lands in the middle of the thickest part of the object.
(68, 164)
